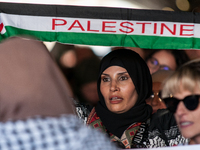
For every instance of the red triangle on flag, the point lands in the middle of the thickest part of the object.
(1, 27)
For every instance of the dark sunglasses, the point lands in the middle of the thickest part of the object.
(191, 102)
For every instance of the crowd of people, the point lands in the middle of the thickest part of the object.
(70, 98)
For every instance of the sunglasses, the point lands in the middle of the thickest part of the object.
(191, 102)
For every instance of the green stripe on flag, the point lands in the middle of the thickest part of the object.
(152, 42)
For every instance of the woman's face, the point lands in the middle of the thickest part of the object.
(118, 89)
(161, 60)
(188, 121)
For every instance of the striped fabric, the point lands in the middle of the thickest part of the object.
(101, 25)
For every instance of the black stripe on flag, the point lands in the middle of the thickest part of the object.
(97, 12)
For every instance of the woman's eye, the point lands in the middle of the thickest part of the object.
(154, 61)
(123, 78)
(105, 79)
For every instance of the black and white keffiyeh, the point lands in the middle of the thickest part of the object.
(66, 132)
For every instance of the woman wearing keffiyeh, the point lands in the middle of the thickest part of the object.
(36, 110)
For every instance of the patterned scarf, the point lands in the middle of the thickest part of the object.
(126, 139)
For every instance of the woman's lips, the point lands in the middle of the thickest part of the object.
(184, 124)
(115, 99)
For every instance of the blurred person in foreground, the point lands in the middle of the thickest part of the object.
(36, 110)
(155, 99)
(181, 94)
(166, 59)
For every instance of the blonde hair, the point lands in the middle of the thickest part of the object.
(187, 77)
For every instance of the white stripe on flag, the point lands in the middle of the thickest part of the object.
(101, 26)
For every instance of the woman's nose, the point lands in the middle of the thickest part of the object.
(114, 86)
(180, 109)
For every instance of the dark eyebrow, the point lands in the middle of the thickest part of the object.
(105, 74)
(118, 73)
(122, 73)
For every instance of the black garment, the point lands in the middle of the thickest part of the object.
(140, 75)
(160, 130)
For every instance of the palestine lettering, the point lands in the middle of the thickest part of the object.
(123, 27)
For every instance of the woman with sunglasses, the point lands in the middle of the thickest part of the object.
(124, 83)
(181, 93)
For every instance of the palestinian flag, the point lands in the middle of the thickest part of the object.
(104, 26)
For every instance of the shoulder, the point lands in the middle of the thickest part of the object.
(92, 117)
(163, 130)
(95, 122)
(164, 118)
